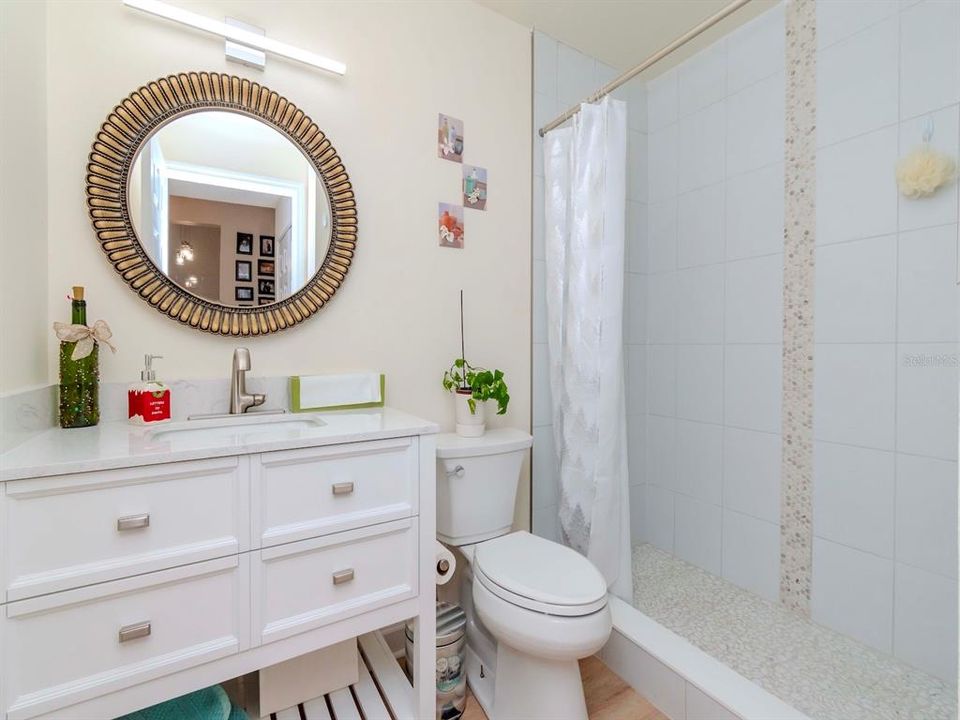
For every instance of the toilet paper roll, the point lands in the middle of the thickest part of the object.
(445, 565)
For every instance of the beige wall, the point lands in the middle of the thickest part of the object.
(204, 240)
(23, 198)
(397, 312)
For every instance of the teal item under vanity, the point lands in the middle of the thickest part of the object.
(210, 703)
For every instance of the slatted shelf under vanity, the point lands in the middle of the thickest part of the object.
(382, 692)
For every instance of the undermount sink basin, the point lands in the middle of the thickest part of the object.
(244, 427)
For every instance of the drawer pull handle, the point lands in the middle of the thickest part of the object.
(132, 632)
(344, 488)
(343, 576)
(132, 522)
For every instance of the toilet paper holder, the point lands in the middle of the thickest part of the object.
(445, 564)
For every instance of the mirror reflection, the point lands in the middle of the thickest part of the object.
(229, 209)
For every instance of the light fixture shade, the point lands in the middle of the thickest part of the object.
(230, 32)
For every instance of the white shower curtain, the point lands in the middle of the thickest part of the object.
(585, 195)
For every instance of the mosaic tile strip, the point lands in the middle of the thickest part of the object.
(826, 675)
(796, 493)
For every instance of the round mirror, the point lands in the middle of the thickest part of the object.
(221, 204)
(229, 209)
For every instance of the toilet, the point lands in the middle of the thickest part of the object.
(534, 607)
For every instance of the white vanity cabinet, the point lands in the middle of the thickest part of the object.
(79, 644)
(126, 586)
(305, 493)
(68, 531)
(307, 584)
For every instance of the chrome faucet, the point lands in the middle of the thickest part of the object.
(240, 400)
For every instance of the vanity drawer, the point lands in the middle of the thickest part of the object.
(68, 531)
(301, 494)
(68, 647)
(311, 583)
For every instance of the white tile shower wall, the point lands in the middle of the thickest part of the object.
(852, 593)
(751, 553)
(924, 614)
(714, 306)
(562, 77)
(886, 316)
(885, 479)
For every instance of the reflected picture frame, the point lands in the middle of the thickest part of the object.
(267, 246)
(244, 243)
(243, 271)
(266, 287)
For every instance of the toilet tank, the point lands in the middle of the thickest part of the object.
(477, 482)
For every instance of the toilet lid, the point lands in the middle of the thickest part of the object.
(541, 575)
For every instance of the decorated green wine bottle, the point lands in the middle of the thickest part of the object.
(79, 376)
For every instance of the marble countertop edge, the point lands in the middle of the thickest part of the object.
(113, 445)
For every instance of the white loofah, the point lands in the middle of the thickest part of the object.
(923, 170)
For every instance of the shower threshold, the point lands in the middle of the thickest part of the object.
(818, 671)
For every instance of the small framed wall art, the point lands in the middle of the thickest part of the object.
(266, 268)
(244, 244)
(244, 271)
(474, 187)
(266, 287)
(450, 138)
(450, 225)
(267, 246)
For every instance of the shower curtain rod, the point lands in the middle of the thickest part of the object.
(655, 58)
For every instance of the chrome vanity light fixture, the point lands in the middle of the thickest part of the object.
(237, 34)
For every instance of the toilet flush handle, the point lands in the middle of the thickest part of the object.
(458, 471)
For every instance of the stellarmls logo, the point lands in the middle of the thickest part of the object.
(926, 360)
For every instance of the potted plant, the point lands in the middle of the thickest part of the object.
(473, 386)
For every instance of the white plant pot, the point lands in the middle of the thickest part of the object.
(470, 424)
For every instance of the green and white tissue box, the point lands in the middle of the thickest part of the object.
(350, 391)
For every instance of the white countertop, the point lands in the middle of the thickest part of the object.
(120, 444)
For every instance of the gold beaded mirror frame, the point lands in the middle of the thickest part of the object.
(134, 121)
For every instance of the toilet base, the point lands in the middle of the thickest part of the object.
(531, 688)
(511, 684)
(481, 678)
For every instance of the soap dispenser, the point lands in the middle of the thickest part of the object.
(148, 401)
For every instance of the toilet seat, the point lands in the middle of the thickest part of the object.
(536, 574)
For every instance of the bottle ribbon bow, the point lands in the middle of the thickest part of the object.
(85, 337)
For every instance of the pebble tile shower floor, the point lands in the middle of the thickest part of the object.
(820, 672)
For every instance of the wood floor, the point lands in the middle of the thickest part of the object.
(608, 697)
